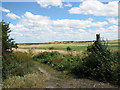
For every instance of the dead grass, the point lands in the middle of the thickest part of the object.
(36, 51)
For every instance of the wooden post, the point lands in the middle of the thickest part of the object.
(97, 37)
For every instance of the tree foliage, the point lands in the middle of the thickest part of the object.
(7, 42)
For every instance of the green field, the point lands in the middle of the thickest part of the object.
(113, 45)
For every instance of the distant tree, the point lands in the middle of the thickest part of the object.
(7, 42)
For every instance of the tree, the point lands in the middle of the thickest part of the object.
(7, 42)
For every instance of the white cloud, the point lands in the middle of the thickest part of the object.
(96, 8)
(38, 28)
(113, 21)
(68, 5)
(45, 23)
(46, 3)
(81, 30)
(77, 23)
(110, 32)
(12, 16)
(18, 27)
(4, 10)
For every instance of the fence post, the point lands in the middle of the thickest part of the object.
(97, 37)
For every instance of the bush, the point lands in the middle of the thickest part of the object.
(55, 59)
(100, 64)
(51, 48)
(18, 64)
(68, 49)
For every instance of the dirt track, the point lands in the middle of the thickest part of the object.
(55, 82)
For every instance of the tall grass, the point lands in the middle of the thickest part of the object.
(34, 80)
(16, 64)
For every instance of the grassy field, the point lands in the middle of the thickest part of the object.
(74, 46)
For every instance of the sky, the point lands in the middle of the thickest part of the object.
(48, 21)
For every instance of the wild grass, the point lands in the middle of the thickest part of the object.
(34, 80)
(16, 64)
(19, 71)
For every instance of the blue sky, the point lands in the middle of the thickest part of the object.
(61, 21)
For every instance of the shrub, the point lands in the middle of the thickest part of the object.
(100, 64)
(51, 48)
(59, 61)
(100, 60)
(55, 53)
(68, 49)
(54, 59)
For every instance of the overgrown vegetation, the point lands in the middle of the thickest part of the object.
(98, 63)
(13, 63)
(18, 70)
(18, 64)
(55, 59)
